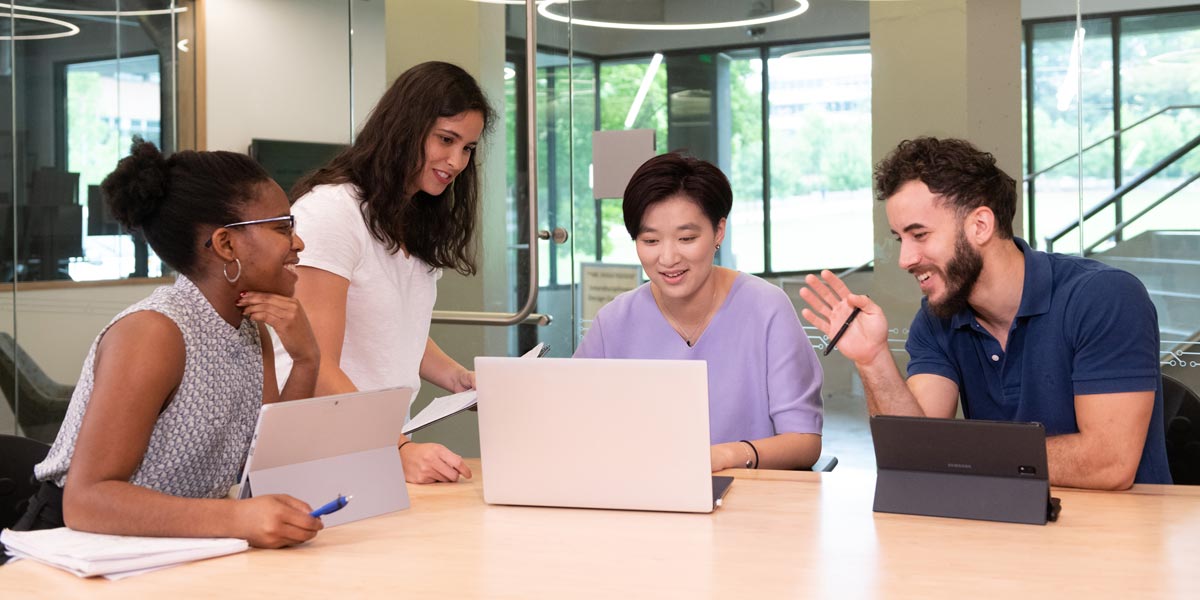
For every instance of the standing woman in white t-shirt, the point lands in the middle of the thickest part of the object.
(380, 222)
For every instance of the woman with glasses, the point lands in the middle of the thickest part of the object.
(382, 220)
(764, 381)
(166, 405)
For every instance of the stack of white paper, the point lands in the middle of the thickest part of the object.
(113, 556)
(440, 408)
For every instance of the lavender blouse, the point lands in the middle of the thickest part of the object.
(763, 375)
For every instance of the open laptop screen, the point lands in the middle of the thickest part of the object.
(595, 433)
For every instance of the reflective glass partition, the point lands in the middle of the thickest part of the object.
(794, 100)
(791, 108)
(1132, 200)
(78, 79)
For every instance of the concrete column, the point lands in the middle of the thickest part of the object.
(471, 35)
(946, 68)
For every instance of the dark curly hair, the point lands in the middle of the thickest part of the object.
(963, 175)
(169, 199)
(388, 153)
(675, 173)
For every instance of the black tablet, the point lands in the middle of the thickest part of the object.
(971, 469)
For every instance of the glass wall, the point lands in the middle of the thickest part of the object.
(745, 230)
(1136, 183)
(1139, 107)
(787, 109)
(632, 95)
(78, 81)
(1160, 71)
(814, 92)
(820, 155)
(1055, 111)
(85, 78)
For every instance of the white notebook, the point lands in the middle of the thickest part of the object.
(113, 556)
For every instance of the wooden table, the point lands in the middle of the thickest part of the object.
(779, 534)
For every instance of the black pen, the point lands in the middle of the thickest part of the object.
(838, 336)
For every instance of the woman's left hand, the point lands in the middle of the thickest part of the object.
(463, 381)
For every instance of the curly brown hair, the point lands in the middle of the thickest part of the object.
(954, 169)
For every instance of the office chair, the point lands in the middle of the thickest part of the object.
(44, 401)
(825, 463)
(18, 455)
(1181, 417)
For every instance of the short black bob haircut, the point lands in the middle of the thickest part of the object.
(676, 174)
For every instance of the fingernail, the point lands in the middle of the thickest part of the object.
(241, 294)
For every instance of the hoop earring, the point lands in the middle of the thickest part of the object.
(225, 270)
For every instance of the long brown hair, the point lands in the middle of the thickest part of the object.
(389, 152)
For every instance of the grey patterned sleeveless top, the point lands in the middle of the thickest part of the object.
(200, 441)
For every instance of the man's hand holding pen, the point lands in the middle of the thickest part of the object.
(852, 322)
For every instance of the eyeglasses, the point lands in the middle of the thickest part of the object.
(291, 221)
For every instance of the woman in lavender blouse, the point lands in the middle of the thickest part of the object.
(764, 381)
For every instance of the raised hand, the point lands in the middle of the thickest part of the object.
(831, 303)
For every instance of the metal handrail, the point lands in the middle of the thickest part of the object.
(1031, 176)
(1123, 190)
(1123, 224)
(526, 314)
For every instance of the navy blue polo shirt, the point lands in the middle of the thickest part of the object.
(1082, 327)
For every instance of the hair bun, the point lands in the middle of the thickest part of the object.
(138, 186)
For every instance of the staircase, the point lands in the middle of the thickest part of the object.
(1168, 263)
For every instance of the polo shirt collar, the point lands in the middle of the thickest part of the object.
(1039, 281)
(1035, 293)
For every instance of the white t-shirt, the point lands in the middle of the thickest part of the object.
(390, 300)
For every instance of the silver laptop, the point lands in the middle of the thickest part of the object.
(596, 433)
(320, 448)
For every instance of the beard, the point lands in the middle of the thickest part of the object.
(960, 276)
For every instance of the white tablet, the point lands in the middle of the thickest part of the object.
(319, 448)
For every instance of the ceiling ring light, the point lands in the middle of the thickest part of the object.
(543, 8)
(89, 13)
(69, 29)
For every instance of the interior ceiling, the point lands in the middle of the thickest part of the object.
(650, 11)
(672, 11)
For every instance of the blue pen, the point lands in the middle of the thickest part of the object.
(333, 506)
